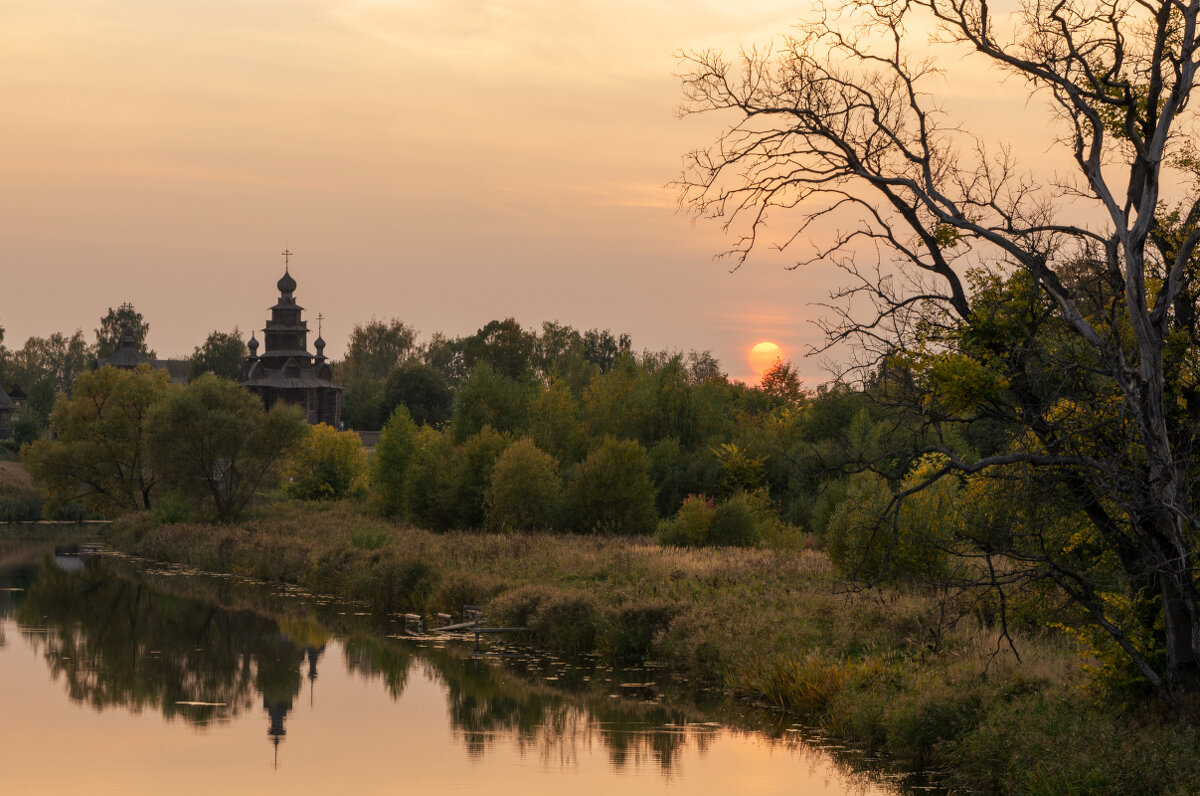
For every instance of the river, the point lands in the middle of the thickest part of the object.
(119, 677)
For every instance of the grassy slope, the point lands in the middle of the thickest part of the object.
(769, 626)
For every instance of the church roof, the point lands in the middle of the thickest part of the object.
(276, 380)
(286, 284)
(5, 401)
(126, 358)
(126, 355)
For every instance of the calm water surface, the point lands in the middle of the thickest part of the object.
(119, 679)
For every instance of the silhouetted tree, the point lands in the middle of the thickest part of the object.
(221, 355)
(110, 330)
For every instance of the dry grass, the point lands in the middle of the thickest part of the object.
(14, 474)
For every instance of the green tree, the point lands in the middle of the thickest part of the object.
(96, 453)
(221, 355)
(782, 381)
(110, 330)
(394, 452)
(422, 389)
(838, 127)
(555, 423)
(602, 348)
(470, 474)
(524, 489)
(428, 490)
(490, 398)
(57, 358)
(212, 441)
(364, 406)
(327, 465)
(503, 345)
(611, 492)
(43, 368)
(446, 355)
(377, 348)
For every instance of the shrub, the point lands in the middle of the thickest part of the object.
(524, 489)
(19, 504)
(634, 627)
(735, 522)
(563, 621)
(689, 527)
(329, 465)
(611, 492)
(866, 541)
(173, 508)
(745, 519)
(400, 584)
(567, 622)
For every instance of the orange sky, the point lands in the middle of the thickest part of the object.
(446, 162)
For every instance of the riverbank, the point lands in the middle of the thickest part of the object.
(887, 670)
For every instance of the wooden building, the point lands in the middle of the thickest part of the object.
(285, 370)
(127, 357)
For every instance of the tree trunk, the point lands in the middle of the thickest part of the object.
(1181, 628)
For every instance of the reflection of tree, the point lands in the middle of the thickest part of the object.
(117, 642)
(372, 659)
(486, 702)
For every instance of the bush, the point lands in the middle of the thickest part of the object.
(865, 541)
(524, 489)
(611, 492)
(19, 504)
(329, 465)
(173, 508)
(690, 525)
(563, 621)
(634, 627)
(735, 522)
(745, 519)
(398, 584)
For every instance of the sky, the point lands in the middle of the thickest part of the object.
(444, 162)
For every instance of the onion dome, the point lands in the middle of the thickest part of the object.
(253, 344)
(286, 284)
(319, 344)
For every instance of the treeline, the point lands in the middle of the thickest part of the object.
(559, 429)
(44, 367)
(506, 429)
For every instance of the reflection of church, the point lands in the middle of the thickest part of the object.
(286, 371)
(278, 691)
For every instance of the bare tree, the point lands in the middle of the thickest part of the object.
(945, 236)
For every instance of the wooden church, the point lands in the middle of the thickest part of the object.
(285, 370)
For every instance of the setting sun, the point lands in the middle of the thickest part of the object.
(764, 355)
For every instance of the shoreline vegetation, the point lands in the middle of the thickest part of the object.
(888, 670)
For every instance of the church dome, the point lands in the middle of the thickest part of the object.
(286, 284)
(319, 344)
(252, 345)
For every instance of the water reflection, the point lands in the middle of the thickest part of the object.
(193, 650)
